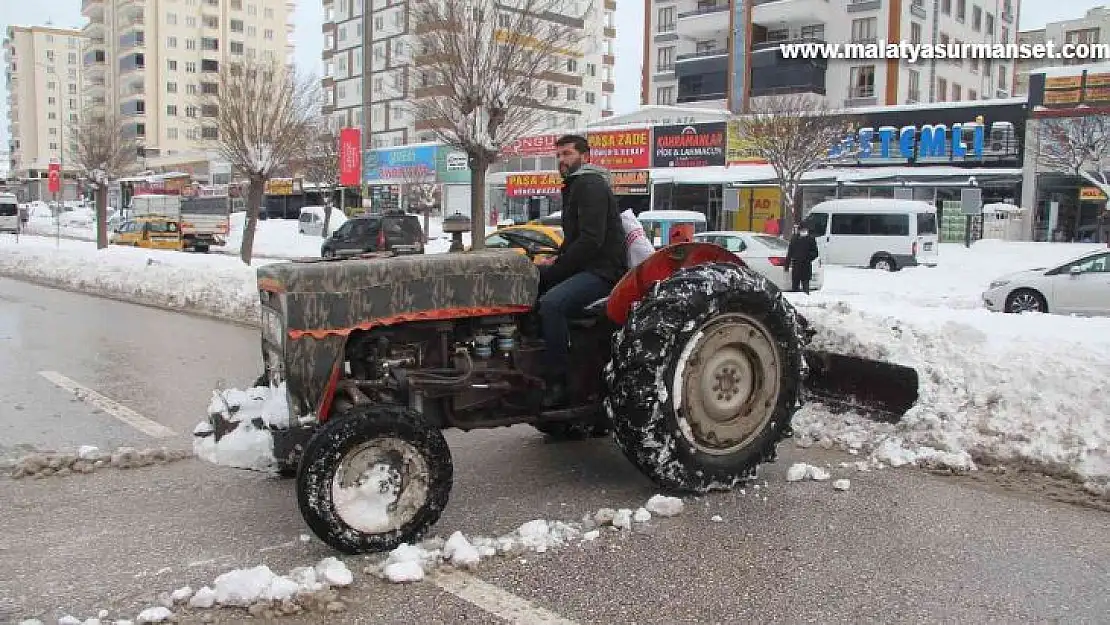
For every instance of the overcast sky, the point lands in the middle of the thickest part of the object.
(309, 40)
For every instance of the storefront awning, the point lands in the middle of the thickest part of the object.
(900, 176)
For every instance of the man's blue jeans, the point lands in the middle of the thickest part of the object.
(564, 300)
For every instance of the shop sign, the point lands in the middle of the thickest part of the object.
(538, 145)
(452, 166)
(350, 156)
(693, 145)
(739, 150)
(631, 183)
(399, 164)
(620, 149)
(539, 183)
(282, 186)
(1091, 194)
(930, 141)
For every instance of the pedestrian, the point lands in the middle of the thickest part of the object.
(800, 255)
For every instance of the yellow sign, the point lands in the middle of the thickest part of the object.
(279, 186)
(758, 205)
(1062, 97)
(1091, 194)
(740, 151)
(1063, 82)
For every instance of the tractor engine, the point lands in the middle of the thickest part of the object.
(456, 373)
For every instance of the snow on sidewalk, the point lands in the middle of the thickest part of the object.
(213, 284)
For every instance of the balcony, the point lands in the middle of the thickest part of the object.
(132, 108)
(857, 6)
(131, 63)
(774, 75)
(94, 57)
(780, 14)
(702, 77)
(721, 52)
(135, 39)
(706, 19)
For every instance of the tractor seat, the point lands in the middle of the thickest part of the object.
(589, 315)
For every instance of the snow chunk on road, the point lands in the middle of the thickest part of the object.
(204, 598)
(641, 516)
(68, 620)
(250, 445)
(460, 552)
(406, 563)
(842, 484)
(662, 505)
(800, 471)
(181, 594)
(154, 615)
(334, 572)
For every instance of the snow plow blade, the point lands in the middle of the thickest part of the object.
(878, 390)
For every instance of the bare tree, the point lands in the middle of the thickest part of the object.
(259, 117)
(1079, 146)
(419, 189)
(794, 134)
(106, 150)
(320, 164)
(484, 69)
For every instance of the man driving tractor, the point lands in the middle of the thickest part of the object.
(591, 259)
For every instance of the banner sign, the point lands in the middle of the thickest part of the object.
(401, 164)
(54, 177)
(631, 182)
(620, 149)
(740, 151)
(538, 145)
(350, 157)
(1091, 194)
(539, 183)
(452, 166)
(692, 145)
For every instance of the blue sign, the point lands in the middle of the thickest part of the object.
(399, 164)
(931, 142)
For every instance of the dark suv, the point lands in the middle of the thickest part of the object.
(395, 232)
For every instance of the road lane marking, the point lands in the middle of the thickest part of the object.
(112, 407)
(495, 600)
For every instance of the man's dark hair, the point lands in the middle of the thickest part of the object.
(578, 141)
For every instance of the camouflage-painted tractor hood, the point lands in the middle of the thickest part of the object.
(321, 302)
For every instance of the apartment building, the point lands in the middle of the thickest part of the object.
(724, 53)
(151, 58)
(370, 77)
(42, 67)
(1093, 27)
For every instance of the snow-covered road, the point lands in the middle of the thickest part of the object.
(114, 540)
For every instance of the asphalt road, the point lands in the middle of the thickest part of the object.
(900, 545)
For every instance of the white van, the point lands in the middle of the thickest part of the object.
(9, 213)
(880, 233)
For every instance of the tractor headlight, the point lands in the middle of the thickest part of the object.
(998, 283)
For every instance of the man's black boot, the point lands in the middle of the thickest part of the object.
(555, 392)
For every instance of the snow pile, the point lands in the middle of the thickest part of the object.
(279, 238)
(249, 445)
(211, 284)
(993, 388)
(410, 563)
(800, 471)
(88, 459)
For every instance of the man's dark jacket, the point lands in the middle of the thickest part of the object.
(800, 255)
(593, 235)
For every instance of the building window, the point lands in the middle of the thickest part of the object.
(237, 5)
(1002, 77)
(988, 26)
(961, 10)
(171, 110)
(572, 94)
(236, 47)
(171, 42)
(972, 95)
(946, 7)
(190, 67)
(957, 92)
(236, 26)
(813, 31)
(171, 87)
(190, 44)
(572, 66)
(914, 81)
(915, 33)
(664, 95)
(269, 34)
(552, 90)
(591, 97)
(191, 89)
(942, 90)
(976, 18)
(268, 14)
(208, 43)
(171, 65)
(865, 30)
(209, 88)
(862, 82)
(211, 21)
(171, 133)
(209, 65)
(210, 133)
(705, 48)
(71, 58)
(191, 22)
(665, 59)
(665, 23)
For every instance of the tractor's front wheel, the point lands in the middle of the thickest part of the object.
(373, 477)
(705, 377)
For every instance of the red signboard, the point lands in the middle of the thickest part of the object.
(527, 185)
(54, 178)
(539, 145)
(350, 157)
(621, 149)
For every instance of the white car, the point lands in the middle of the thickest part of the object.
(764, 253)
(1080, 286)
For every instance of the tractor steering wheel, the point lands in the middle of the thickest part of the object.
(531, 248)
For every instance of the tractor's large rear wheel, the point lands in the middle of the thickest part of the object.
(705, 377)
(373, 477)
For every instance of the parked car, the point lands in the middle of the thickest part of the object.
(535, 236)
(1080, 286)
(312, 220)
(396, 232)
(879, 233)
(9, 213)
(763, 253)
(151, 232)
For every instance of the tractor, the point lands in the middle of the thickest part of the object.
(694, 364)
